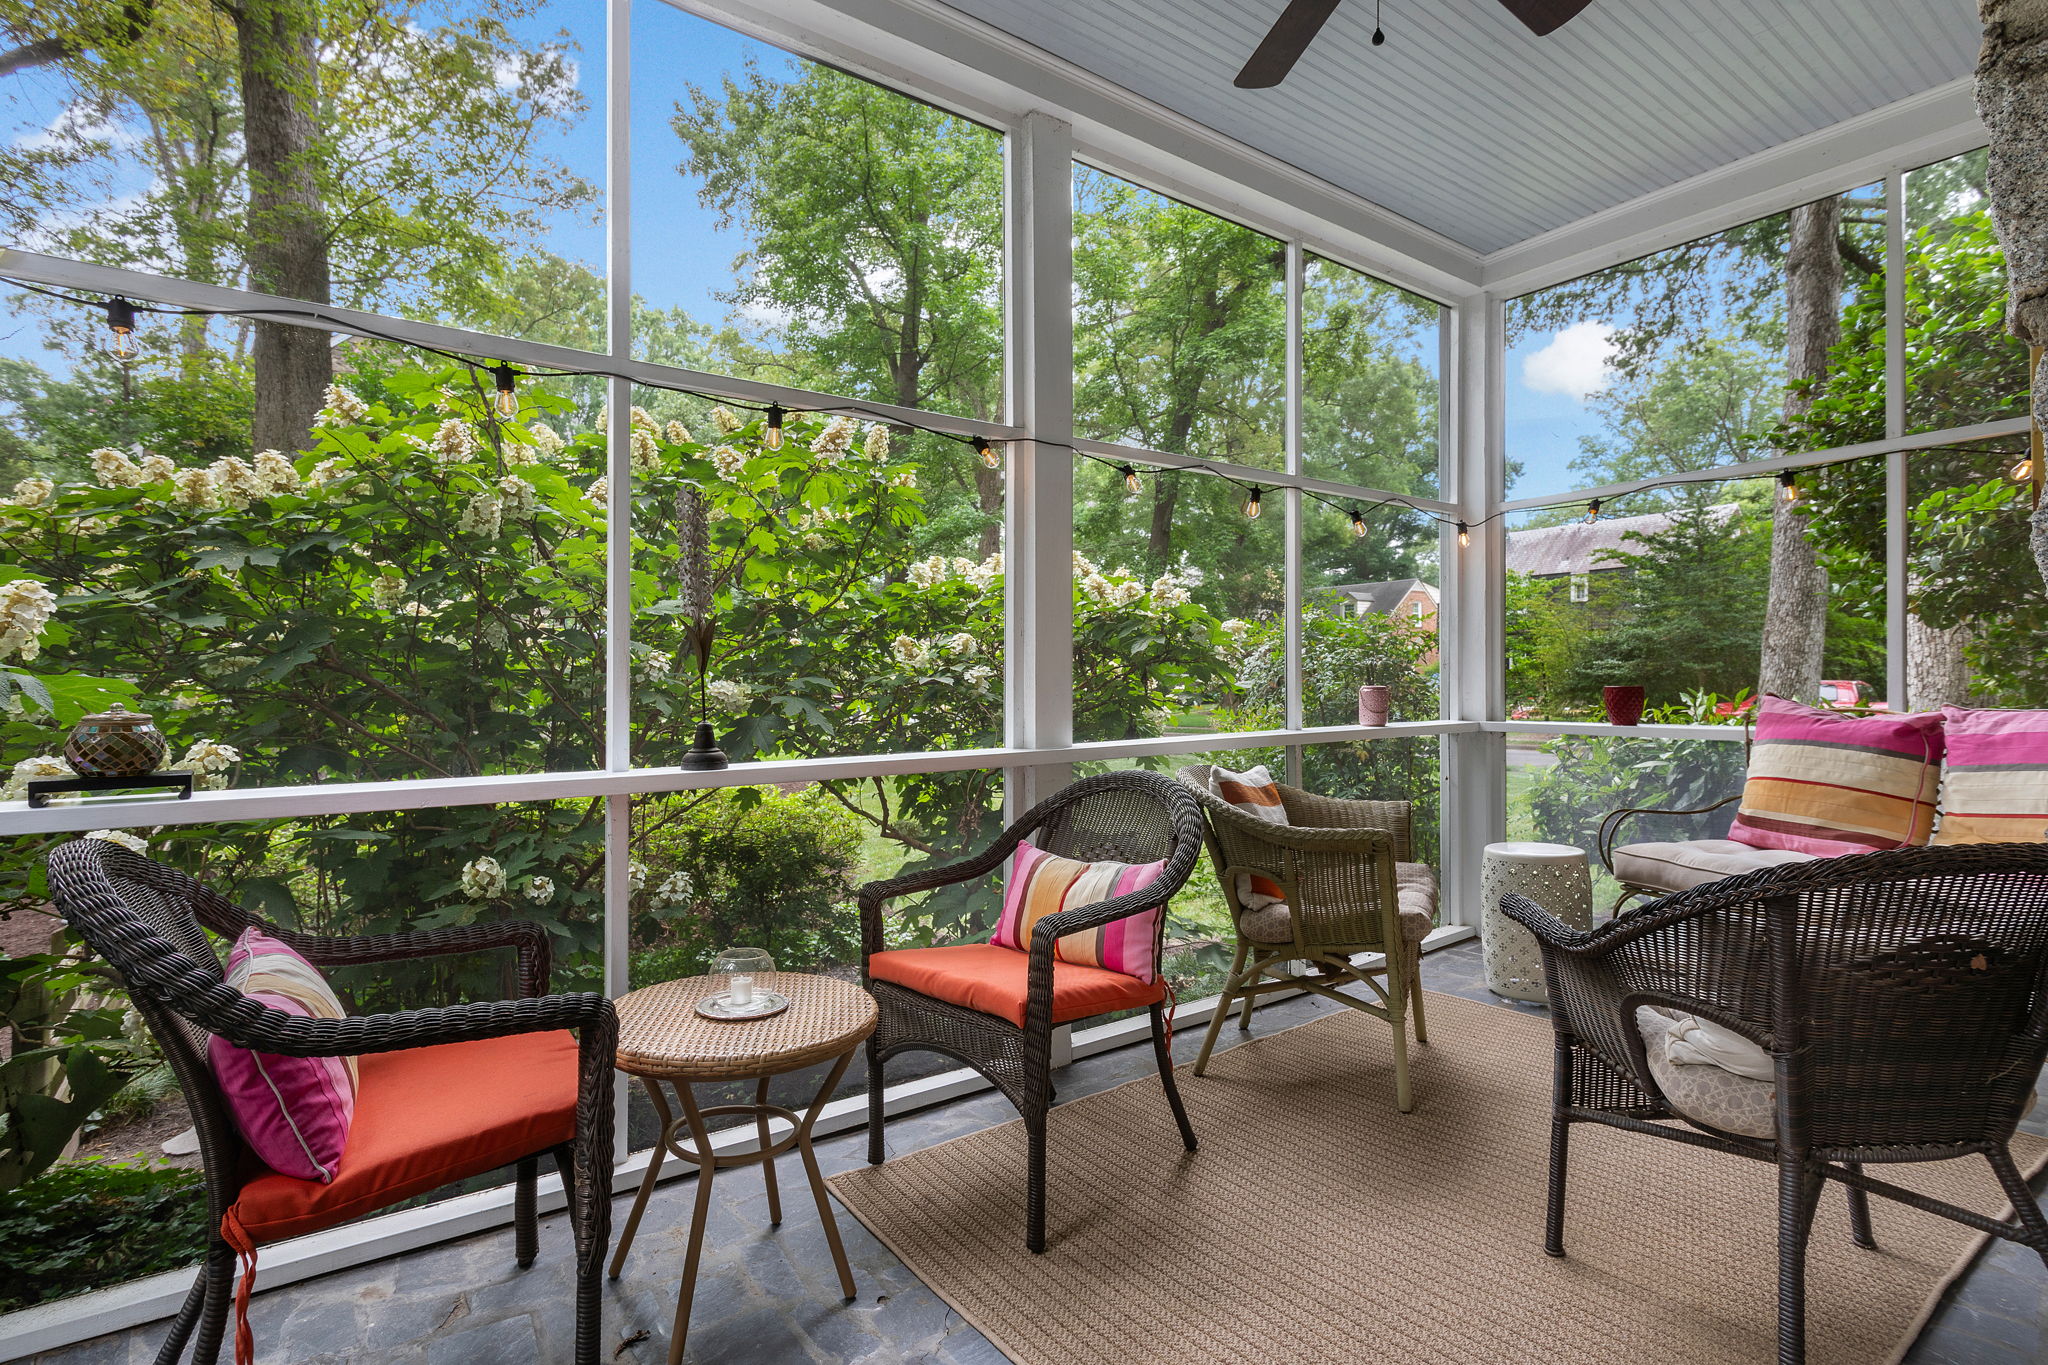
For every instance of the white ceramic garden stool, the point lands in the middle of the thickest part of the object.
(1556, 877)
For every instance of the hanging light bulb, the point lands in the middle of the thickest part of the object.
(2023, 472)
(1464, 535)
(771, 431)
(1357, 522)
(1132, 484)
(507, 380)
(1788, 486)
(1593, 510)
(1251, 505)
(121, 322)
(987, 450)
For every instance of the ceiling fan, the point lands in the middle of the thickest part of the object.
(1303, 19)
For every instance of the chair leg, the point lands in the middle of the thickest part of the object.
(181, 1326)
(586, 1175)
(1165, 1061)
(1798, 1193)
(874, 1104)
(1415, 995)
(1397, 1015)
(2024, 1204)
(219, 1276)
(1859, 1212)
(525, 1212)
(1215, 1030)
(1560, 1145)
(1034, 1209)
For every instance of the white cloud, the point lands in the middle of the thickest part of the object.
(1576, 363)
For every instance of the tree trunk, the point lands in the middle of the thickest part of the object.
(988, 494)
(1796, 613)
(1159, 537)
(287, 223)
(1937, 674)
(2012, 99)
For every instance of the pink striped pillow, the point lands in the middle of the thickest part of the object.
(294, 1112)
(1828, 784)
(1995, 790)
(1043, 884)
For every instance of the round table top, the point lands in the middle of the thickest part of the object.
(662, 1036)
(1524, 852)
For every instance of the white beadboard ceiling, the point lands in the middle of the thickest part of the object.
(1467, 123)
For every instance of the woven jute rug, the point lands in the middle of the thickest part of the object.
(1317, 1224)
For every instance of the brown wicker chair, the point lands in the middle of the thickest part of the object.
(1351, 888)
(146, 920)
(1901, 998)
(1135, 817)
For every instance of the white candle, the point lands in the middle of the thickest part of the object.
(741, 989)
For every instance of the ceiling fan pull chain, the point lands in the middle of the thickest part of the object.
(1378, 34)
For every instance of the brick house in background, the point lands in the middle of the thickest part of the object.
(1406, 599)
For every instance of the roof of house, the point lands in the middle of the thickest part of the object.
(1582, 547)
(1382, 597)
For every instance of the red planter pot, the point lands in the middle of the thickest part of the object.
(1624, 705)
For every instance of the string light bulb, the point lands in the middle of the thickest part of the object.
(1593, 511)
(121, 322)
(1132, 484)
(1251, 505)
(1788, 486)
(1464, 535)
(506, 379)
(2023, 472)
(987, 450)
(771, 429)
(1357, 522)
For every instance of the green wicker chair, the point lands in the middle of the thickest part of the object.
(1351, 887)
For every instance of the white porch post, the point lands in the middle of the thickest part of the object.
(618, 607)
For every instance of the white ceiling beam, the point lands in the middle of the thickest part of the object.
(1911, 132)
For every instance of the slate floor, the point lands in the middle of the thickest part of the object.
(770, 1298)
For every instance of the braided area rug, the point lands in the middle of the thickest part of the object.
(1317, 1224)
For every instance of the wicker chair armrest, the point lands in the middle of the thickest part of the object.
(536, 954)
(1301, 838)
(1610, 827)
(1342, 812)
(874, 897)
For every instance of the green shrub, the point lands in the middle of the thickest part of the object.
(94, 1223)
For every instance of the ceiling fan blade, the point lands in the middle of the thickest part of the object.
(1290, 36)
(1545, 16)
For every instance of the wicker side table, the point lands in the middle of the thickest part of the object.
(663, 1040)
(1556, 877)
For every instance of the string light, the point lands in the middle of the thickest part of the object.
(1464, 535)
(1357, 522)
(1251, 505)
(987, 450)
(507, 380)
(1788, 486)
(1132, 484)
(1593, 511)
(2023, 472)
(121, 322)
(771, 429)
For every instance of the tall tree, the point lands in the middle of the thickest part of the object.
(1795, 615)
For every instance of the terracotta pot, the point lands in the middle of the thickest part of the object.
(1624, 705)
(1373, 701)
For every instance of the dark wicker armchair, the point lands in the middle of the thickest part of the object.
(1900, 996)
(1132, 817)
(146, 920)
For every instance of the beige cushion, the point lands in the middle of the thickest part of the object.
(1414, 888)
(1699, 1089)
(1676, 867)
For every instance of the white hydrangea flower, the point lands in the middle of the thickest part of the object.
(1169, 592)
(194, 489)
(25, 608)
(455, 441)
(962, 644)
(483, 879)
(726, 419)
(132, 842)
(599, 492)
(678, 434)
(675, 890)
(928, 573)
(903, 478)
(389, 591)
(415, 609)
(640, 418)
(517, 495)
(636, 875)
(482, 516)
(1095, 586)
(341, 406)
(276, 474)
(235, 481)
(114, 469)
(33, 491)
(324, 473)
(156, 468)
(875, 445)
(1237, 629)
(654, 666)
(1082, 568)
(979, 674)
(546, 440)
(208, 761)
(728, 462)
(910, 653)
(42, 765)
(646, 451)
(1125, 591)
(981, 577)
(835, 440)
(540, 890)
(729, 696)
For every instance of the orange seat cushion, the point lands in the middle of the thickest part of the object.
(992, 979)
(426, 1116)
